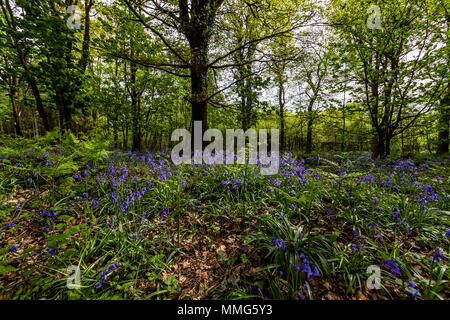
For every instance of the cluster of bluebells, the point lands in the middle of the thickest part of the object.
(356, 248)
(49, 215)
(427, 196)
(52, 251)
(279, 243)
(14, 248)
(126, 193)
(402, 221)
(303, 292)
(307, 268)
(413, 290)
(134, 236)
(437, 256)
(232, 183)
(95, 203)
(163, 213)
(393, 267)
(104, 274)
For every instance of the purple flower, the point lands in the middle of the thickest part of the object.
(393, 266)
(50, 214)
(372, 225)
(52, 251)
(104, 275)
(413, 290)
(299, 238)
(163, 213)
(278, 242)
(134, 236)
(95, 203)
(306, 268)
(34, 254)
(316, 272)
(13, 248)
(260, 293)
(356, 248)
(437, 257)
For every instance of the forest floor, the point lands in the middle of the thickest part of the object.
(134, 226)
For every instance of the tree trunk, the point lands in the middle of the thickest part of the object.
(309, 130)
(135, 109)
(245, 113)
(197, 25)
(444, 120)
(380, 146)
(387, 150)
(116, 138)
(85, 52)
(39, 104)
(13, 93)
(443, 133)
(199, 88)
(282, 121)
(65, 119)
(343, 130)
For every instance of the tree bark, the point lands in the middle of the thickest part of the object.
(444, 120)
(380, 146)
(281, 102)
(13, 84)
(13, 93)
(387, 150)
(135, 110)
(199, 84)
(309, 129)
